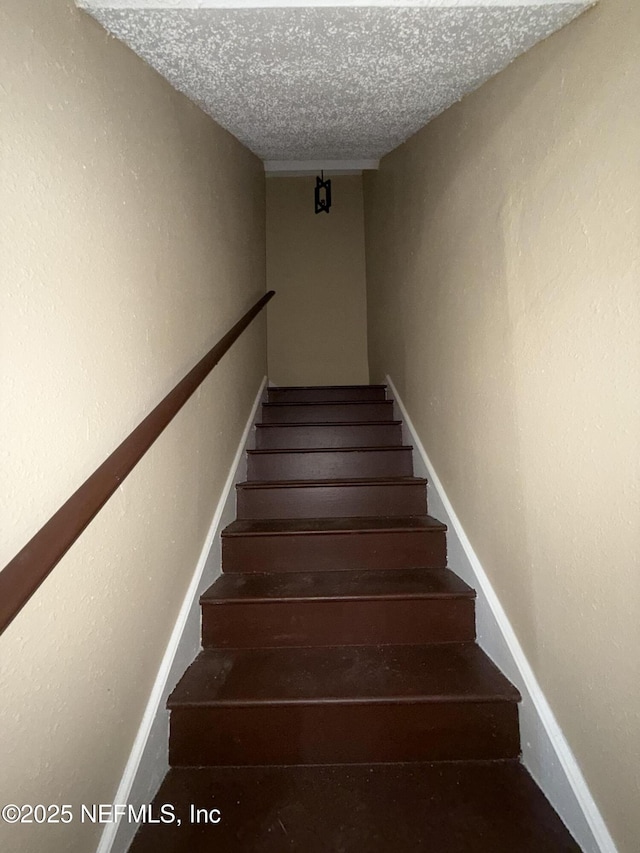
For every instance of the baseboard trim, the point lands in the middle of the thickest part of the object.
(546, 752)
(148, 761)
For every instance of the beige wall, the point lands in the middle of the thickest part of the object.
(132, 239)
(503, 257)
(317, 324)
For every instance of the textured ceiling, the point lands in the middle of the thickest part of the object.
(328, 83)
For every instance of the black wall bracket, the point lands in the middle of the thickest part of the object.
(322, 194)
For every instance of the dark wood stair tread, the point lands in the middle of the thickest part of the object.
(316, 403)
(325, 387)
(445, 807)
(312, 526)
(359, 449)
(328, 424)
(331, 586)
(339, 462)
(327, 410)
(349, 481)
(456, 672)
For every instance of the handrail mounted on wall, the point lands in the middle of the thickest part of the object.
(23, 575)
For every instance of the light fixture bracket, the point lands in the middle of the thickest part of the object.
(322, 194)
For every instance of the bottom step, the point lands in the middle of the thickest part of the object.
(479, 807)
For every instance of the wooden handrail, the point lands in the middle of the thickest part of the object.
(23, 575)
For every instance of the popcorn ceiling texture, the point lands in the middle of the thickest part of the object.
(330, 83)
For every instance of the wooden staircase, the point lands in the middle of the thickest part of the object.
(340, 702)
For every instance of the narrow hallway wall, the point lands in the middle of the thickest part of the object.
(317, 325)
(132, 239)
(503, 255)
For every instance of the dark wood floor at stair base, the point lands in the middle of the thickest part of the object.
(475, 807)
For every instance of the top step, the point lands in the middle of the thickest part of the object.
(326, 393)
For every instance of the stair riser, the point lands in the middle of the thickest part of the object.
(324, 733)
(327, 412)
(329, 435)
(324, 395)
(334, 551)
(330, 464)
(333, 623)
(332, 501)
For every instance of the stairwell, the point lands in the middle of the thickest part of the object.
(340, 702)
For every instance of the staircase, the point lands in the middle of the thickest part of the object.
(340, 703)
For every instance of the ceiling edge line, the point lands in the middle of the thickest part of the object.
(318, 165)
(177, 5)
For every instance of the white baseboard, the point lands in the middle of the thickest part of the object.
(545, 751)
(149, 759)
